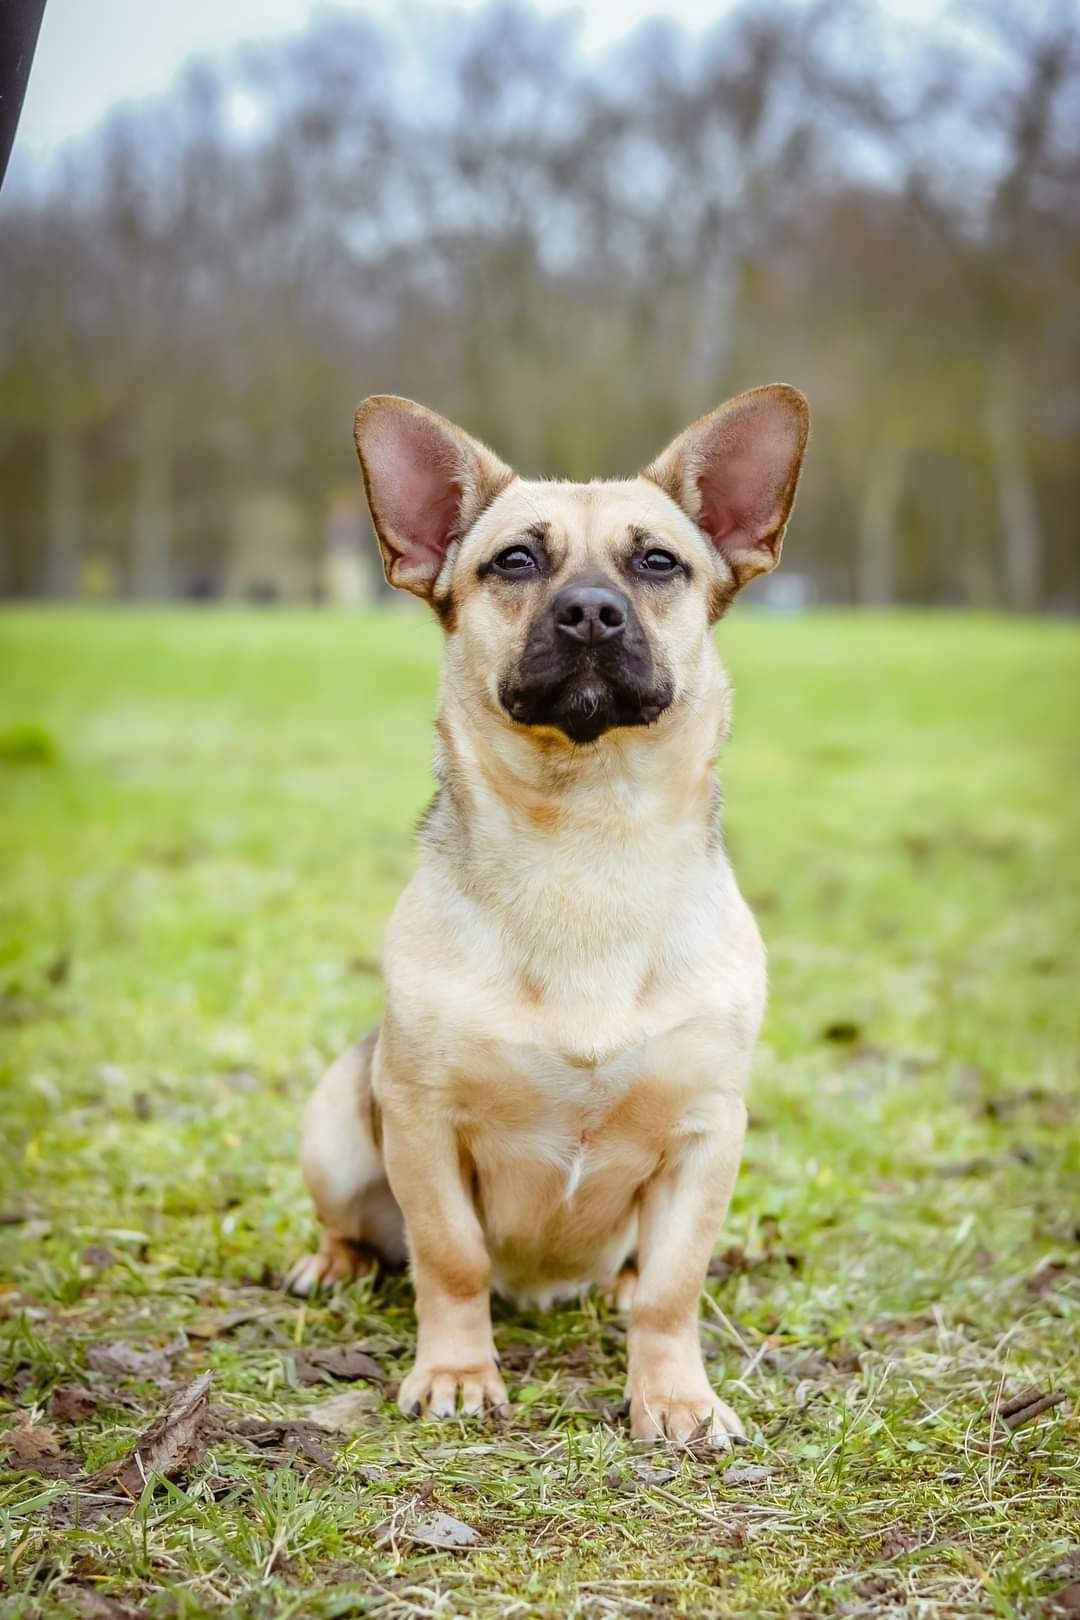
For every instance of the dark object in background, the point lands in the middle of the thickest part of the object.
(20, 24)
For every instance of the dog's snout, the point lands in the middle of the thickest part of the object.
(590, 612)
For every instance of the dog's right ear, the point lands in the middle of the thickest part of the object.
(427, 483)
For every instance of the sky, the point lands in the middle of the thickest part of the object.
(94, 53)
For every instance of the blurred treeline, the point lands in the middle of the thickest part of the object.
(573, 256)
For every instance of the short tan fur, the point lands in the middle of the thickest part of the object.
(574, 983)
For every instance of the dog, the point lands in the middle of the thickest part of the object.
(574, 984)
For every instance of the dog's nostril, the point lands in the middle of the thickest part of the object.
(590, 613)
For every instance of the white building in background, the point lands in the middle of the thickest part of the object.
(347, 571)
(267, 559)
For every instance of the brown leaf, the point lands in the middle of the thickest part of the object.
(36, 1449)
(346, 1412)
(172, 1444)
(264, 1434)
(118, 1358)
(30, 1444)
(341, 1361)
(90, 1604)
(898, 1543)
(70, 1404)
(213, 1326)
(1066, 1600)
(99, 1257)
(734, 1258)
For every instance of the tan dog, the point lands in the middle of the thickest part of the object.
(574, 984)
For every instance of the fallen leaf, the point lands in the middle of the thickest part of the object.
(172, 1444)
(117, 1357)
(442, 1531)
(1066, 1600)
(1063, 1569)
(30, 1444)
(341, 1361)
(90, 1604)
(646, 1474)
(898, 1543)
(213, 1326)
(70, 1404)
(285, 1434)
(747, 1474)
(346, 1412)
(99, 1257)
(35, 1449)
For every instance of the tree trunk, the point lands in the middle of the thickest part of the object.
(151, 566)
(1018, 512)
(65, 511)
(882, 492)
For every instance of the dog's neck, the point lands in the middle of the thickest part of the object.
(508, 788)
(591, 866)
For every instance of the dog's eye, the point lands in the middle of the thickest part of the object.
(515, 560)
(658, 562)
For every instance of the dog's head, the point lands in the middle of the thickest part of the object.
(579, 608)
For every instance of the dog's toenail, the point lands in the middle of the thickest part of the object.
(415, 1409)
(739, 1440)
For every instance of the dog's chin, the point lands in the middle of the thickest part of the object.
(585, 709)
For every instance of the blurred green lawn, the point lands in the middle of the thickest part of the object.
(204, 820)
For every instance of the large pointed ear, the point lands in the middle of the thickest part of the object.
(735, 472)
(427, 483)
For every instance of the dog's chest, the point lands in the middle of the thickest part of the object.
(562, 1146)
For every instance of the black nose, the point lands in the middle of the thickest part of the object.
(591, 612)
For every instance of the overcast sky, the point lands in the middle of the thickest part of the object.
(94, 53)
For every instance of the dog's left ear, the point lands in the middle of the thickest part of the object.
(735, 472)
(427, 482)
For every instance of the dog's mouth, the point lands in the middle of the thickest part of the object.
(592, 696)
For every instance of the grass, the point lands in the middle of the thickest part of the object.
(204, 820)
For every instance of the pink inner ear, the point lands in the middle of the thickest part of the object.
(743, 471)
(415, 483)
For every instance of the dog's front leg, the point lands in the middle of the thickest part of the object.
(455, 1351)
(681, 1212)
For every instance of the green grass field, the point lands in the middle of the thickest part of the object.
(204, 820)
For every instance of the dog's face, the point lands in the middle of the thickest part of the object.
(576, 609)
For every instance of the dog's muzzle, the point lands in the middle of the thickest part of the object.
(587, 667)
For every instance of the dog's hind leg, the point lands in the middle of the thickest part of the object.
(619, 1290)
(343, 1169)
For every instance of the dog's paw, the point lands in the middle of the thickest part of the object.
(696, 1419)
(335, 1261)
(444, 1392)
